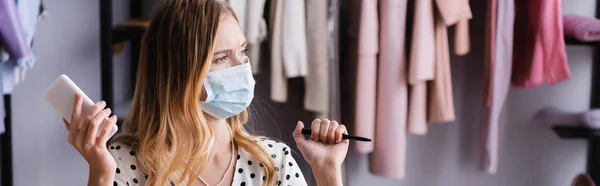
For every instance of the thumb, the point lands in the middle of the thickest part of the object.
(298, 136)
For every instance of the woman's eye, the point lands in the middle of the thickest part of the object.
(221, 59)
(243, 52)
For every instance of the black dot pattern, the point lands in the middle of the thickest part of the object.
(246, 172)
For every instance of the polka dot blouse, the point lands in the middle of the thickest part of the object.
(248, 172)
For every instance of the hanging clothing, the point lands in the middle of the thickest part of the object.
(294, 31)
(499, 67)
(457, 12)
(316, 95)
(367, 74)
(539, 49)
(278, 78)
(486, 148)
(392, 93)
(421, 65)
(334, 67)
(256, 31)
(14, 71)
(239, 7)
(462, 42)
(441, 100)
(17, 28)
(11, 32)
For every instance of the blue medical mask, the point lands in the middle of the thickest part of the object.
(229, 91)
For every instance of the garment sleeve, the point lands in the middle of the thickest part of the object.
(290, 173)
(294, 31)
(11, 33)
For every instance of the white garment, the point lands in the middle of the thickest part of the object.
(247, 170)
(256, 31)
(239, 7)
(294, 31)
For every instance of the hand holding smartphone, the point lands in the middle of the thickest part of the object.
(61, 95)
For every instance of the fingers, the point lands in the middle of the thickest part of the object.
(67, 124)
(315, 129)
(94, 125)
(331, 132)
(76, 113)
(298, 136)
(106, 130)
(338, 133)
(324, 130)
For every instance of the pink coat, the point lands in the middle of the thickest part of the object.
(392, 94)
(367, 74)
(422, 65)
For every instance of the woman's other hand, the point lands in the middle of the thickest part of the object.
(88, 134)
(325, 150)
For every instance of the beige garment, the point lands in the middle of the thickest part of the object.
(421, 66)
(278, 79)
(441, 101)
(256, 31)
(457, 12)
(462, 43)
(316, 83)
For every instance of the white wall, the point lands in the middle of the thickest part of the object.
(529, 155)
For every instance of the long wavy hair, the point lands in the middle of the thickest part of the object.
(165, 124)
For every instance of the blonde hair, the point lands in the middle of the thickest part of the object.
(164, 124)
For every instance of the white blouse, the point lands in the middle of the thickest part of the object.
(248, 172)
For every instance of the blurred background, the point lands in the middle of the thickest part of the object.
(100, 56)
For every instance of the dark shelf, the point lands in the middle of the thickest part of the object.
(131, 29)
(571, 132)
(124, 33)
(573, 41)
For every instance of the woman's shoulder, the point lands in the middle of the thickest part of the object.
(121, 150)
(275, 148)
(128, 169)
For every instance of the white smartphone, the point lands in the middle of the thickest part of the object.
(61, 95)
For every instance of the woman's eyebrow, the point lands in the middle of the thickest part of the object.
(222, 51)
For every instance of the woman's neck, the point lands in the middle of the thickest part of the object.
(221, 134)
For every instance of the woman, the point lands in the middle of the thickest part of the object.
(185, 125)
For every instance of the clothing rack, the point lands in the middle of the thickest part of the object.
(110, 35)
(591, 135)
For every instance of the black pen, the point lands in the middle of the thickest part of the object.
(344, 136)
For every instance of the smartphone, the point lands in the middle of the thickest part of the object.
(61, 96)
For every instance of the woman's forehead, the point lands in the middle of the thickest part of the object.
(229, 34)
